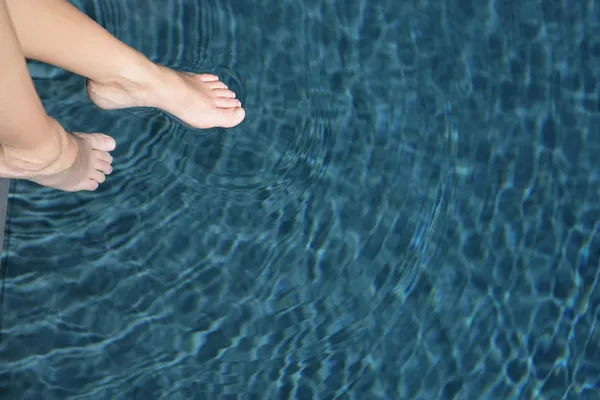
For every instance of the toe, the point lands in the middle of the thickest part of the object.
(98, 176)
(100, 141)
(231, 117)
(208, 77)
(103, 167)
(90, 185)
(217, 85)
(224, 102)
(103, 156)
(223, 93)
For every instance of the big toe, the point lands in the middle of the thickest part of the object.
(231, 117)
(100, 141)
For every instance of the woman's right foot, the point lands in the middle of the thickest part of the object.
(91, 166)
(200, 100)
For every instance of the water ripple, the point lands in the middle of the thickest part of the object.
(224, 259)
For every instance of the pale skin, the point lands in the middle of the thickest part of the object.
(33, 145)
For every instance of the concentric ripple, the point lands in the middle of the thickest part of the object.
(282, 148)
(281, 258)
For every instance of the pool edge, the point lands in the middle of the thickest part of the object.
(4, 185)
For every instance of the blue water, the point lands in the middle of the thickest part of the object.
(410, 211)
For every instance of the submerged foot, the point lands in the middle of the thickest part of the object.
(92, 164)
(200, 100)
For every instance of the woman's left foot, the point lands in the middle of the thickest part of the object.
(200, 100)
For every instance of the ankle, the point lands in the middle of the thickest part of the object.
(134, 87)
(139, 75)
(58, 153)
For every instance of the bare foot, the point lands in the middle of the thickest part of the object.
(91, 165)
(200, 100)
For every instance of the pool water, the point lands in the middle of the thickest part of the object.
(410, 211)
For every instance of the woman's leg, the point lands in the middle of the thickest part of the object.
(56, 32)
(33, 145)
